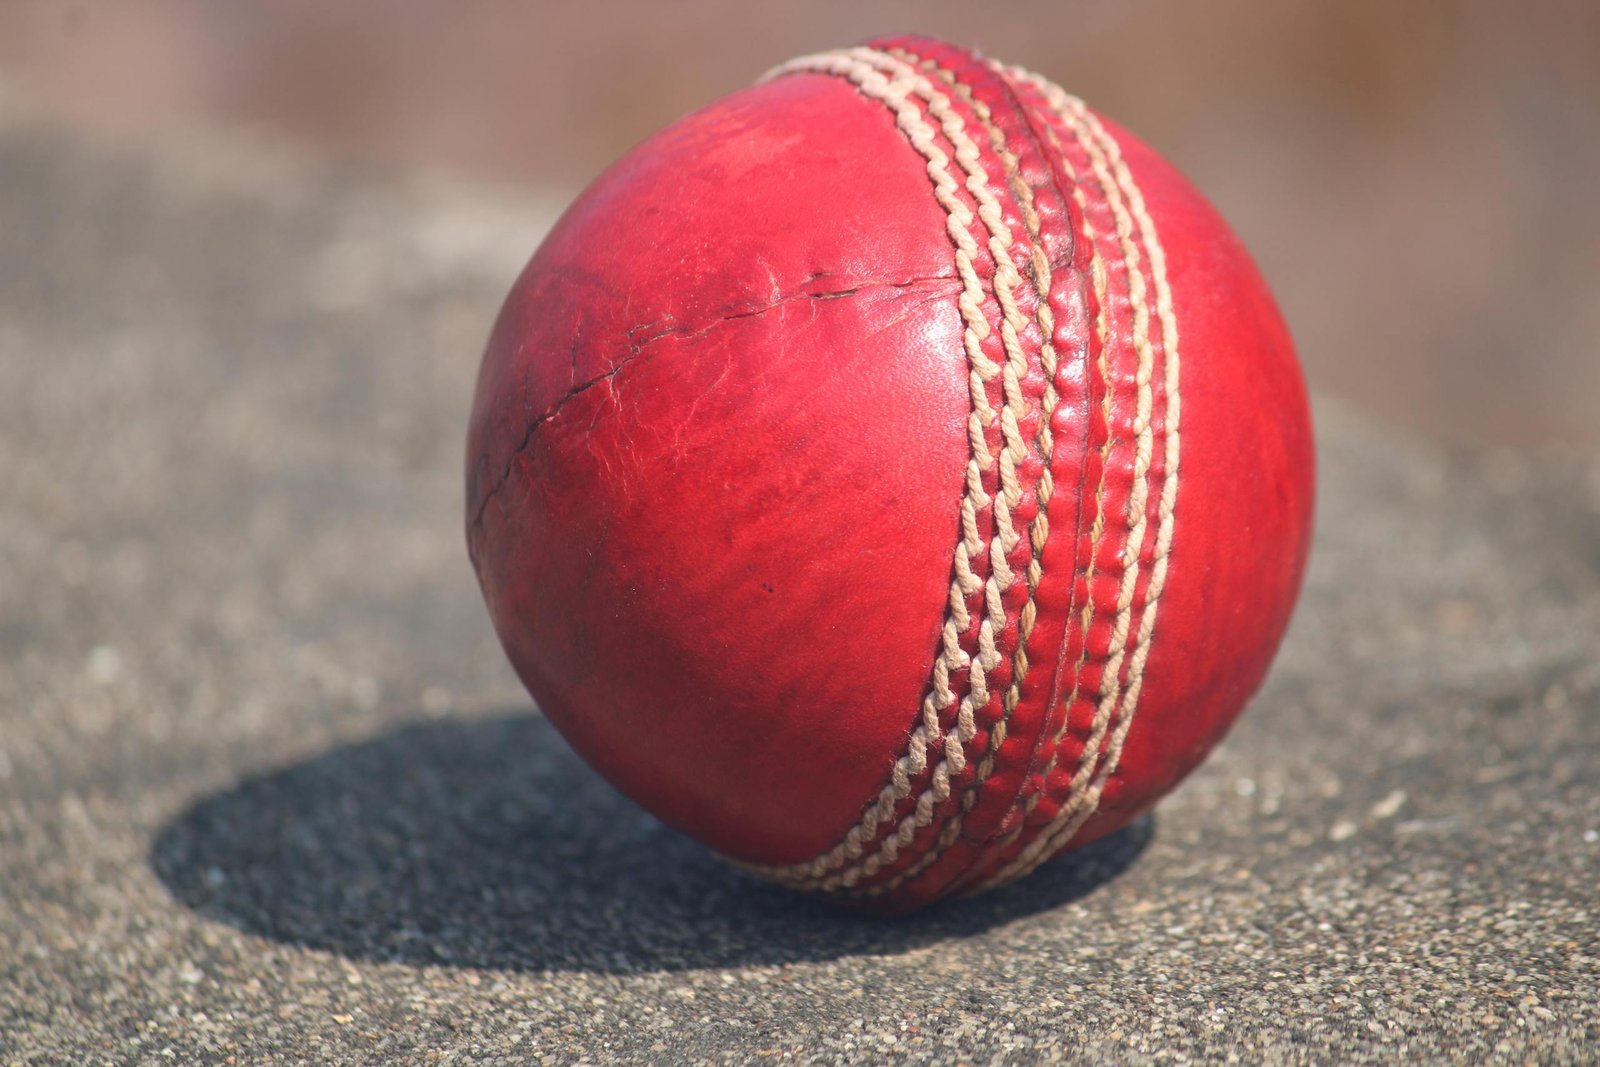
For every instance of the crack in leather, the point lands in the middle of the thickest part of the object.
(637, 346)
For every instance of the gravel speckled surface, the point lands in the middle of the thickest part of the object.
(269, 794)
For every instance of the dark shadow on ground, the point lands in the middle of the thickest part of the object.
(489, 844)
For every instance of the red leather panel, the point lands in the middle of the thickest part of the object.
(728, 398)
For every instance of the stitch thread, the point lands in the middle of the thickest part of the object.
(1099, 275)
(1099, 280)
(1084, 792)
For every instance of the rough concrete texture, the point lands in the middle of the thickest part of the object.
(269, 794)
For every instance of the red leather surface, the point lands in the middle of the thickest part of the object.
(730, 392)
(717, 459)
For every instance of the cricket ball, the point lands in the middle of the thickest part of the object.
(891, 475)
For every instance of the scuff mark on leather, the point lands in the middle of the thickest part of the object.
(642, 336)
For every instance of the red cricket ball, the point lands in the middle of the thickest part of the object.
(891, 475)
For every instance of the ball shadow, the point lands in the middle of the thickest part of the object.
(489, 844)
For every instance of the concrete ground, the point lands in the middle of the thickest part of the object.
(269, 793)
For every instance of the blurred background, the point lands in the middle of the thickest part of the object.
(1419, 180)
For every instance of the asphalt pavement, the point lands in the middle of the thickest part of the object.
(269, 793)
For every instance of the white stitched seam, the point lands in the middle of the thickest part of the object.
(1084, 792)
